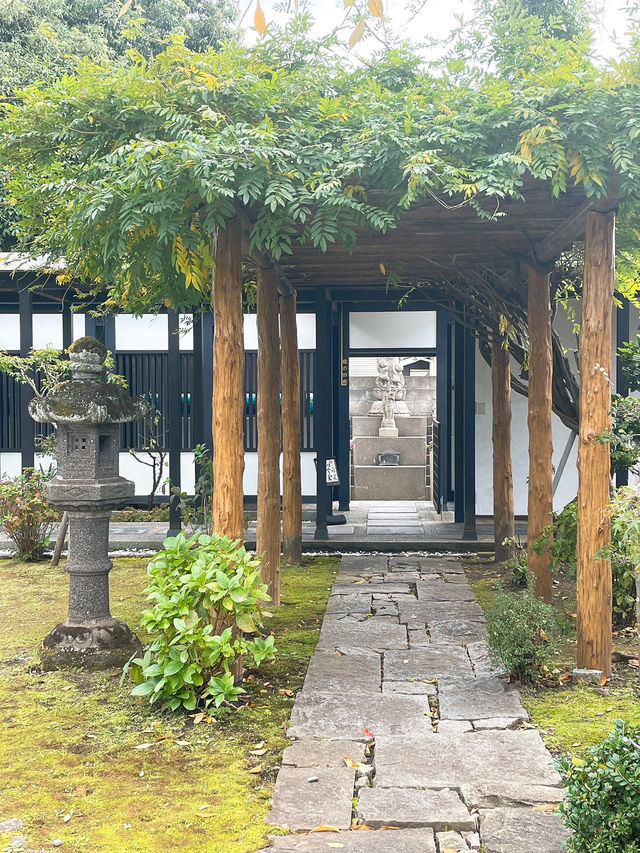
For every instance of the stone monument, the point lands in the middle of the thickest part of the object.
(87, 412)
(390, 385)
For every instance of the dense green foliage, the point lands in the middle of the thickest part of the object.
(127, 170)
(206, 592)
(24, 513)
(42, 39)
(602, 806)
(520, 631)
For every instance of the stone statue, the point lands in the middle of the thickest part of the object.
(389, 384)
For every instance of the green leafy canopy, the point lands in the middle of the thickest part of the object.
(128, 170)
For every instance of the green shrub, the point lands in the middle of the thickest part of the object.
(625, 524)
(519, 563)
(25, 514)
(207, 592)
(602, 806)
(520, 631)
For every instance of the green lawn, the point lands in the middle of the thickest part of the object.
(84, 762)
(570, 716)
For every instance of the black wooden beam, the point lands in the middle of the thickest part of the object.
(458, 398)
(343, 431)
(174, 417)
(469, 440)
(322, 409)
(27, 425)
(623, 333)
(442, 406)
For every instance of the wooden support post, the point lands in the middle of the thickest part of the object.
(343, 428)
(594, 527)
(503, 512)
(458, 402)
(540, 498)
(228, 385)
(442, 409)
(268, 524)
(291, 439)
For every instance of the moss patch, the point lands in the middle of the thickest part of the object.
(84, 762)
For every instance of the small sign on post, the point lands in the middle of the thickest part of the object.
(332, 473)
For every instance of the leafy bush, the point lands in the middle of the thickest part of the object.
(196, 510)
(625, 525)
(26, 516)
(207, 591)
(520, 633)
(602, 806)
(519, 563)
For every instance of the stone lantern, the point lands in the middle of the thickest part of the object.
(87, 412)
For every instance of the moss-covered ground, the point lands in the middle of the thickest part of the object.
(83, 762)
(570, 715)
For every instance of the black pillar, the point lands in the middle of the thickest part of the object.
(469, 431)
(174, 417)
(623, 333)
(449, 477)
(442, 407)
(67, 326)
(322, 409)
(27, 425)
(458, 398)
(342, 420)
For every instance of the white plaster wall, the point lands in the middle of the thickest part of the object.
(307, 466)
(10, 464)
(392, 329)
(47, 331)
(10, 332)
(306, 324)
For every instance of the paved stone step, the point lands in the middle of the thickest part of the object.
(494, 758)
(375, 634)
(314, 752)
(380, 841)
(427, 664)
(479, 698)
(506, 830)
(300, 804)
(318, 715)
(330, 672)
(409, 807)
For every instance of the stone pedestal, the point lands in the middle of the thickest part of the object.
(87, 412)
(388, 432)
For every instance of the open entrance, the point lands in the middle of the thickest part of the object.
(392, 409)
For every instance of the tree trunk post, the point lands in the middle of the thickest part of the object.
(228, 385)
(540, 498)
(503, 506)
(268, 525)
(291, 439)
(594, 524)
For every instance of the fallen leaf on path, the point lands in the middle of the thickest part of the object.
(368, 733)
(545, 807)
(182, 742)
(258, 752)
(286, 692)
(633, 662)
(198, 718)
(325, 827)
(256, 769)
(143, 746)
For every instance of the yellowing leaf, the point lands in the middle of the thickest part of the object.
(376, 8)
(256, 769)
(357, 34)
(124, 9)
(383, 269)
(325, 827)
(259, 21)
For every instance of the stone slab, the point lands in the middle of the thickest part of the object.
(364, 562)
(411, 688)
(481, 795)
(426, 664)
(454, 727)
(322, 753)
(373, 634)
(511, 830)
(456, 631)
(379, 841)
(330, 672)
(303, 805)
(317, 715)
(452, 842)
(496, 723)
(481, 660)
(370, 586)
(396, 530)
(441, 611)
(442, 591)
(409, 807)
(354, 602)
(479, 698)
(450, 760)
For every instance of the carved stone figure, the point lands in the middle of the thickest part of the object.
(389, 383)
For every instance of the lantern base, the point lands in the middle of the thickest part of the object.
(97, 644)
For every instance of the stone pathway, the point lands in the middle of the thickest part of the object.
(395, 518)
(404, 726)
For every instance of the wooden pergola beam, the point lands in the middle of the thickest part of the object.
(594, 525)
